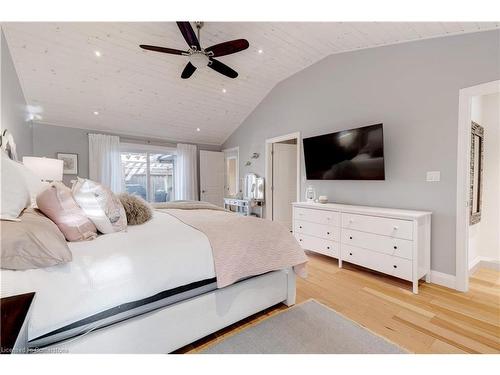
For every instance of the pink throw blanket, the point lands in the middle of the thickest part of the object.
(244, 246)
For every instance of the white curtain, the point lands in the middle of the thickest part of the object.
(104, 161)
(186, 172)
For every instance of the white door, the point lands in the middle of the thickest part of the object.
(212, 177)
(284, 184)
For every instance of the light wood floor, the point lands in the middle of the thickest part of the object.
(437, 320)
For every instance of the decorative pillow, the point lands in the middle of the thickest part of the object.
(15, 196)
(57, 203)
(33, 242)
(100, 205)
(32, 183)
(138, 211)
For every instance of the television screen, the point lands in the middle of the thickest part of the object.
(355, 154)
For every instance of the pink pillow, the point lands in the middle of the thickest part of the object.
(57, 203)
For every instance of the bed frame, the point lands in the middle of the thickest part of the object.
(174, 326)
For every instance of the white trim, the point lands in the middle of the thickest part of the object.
(443, 279)
(139, 147)
(484, 262)
(463, 175)
(268, 168)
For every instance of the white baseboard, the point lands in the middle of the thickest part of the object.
(443, 279)
(484, 262)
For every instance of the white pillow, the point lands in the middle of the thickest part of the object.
(15, 196)
(100, 205)
(33, 184)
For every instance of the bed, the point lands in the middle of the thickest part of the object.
(151, 289)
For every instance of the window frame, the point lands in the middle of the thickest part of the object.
(148, 150)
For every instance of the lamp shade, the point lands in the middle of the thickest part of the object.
(46, 168)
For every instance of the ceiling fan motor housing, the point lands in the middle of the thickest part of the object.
(198, 59)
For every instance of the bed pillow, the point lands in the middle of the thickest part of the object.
(138, 211)
(33, 183)
(33, 242)
(57, 203)
(100, 205)
(15, 196)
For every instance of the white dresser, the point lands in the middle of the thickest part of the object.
(392, 241)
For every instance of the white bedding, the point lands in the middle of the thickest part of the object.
(113, 269)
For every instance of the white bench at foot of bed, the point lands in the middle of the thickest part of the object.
(172, 327)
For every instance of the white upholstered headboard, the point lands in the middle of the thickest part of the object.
(8, 145)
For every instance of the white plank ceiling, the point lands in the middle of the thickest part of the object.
(140, 93)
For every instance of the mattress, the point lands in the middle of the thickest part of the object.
(115, 277)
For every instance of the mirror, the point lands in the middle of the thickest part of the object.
(250, 185)
(476, 172)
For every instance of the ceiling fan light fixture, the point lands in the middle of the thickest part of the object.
(199, 59)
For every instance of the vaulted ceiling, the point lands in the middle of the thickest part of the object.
(131, 91)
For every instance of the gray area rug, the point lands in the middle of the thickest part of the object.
(308, 328)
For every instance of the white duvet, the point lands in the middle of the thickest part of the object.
(113, 269)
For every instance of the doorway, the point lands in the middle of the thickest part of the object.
(212, 177)
(478, 197)
(231, 172)
(283, 177)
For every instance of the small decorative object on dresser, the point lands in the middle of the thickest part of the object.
(323, 199)
(391, 241)
(15, 312)
(70, 162)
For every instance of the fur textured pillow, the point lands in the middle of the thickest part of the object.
(138, 211)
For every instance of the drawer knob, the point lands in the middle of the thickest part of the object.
(395, 266)
(350, 253)
(327, 232)
(395, 227)
(395, 247)
(350, 237)
(300, 226)
(300, 239)
(328, 247)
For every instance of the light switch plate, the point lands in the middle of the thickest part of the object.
(433, 176)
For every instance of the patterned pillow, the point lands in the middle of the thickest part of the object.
(57, 203)
(100, 205)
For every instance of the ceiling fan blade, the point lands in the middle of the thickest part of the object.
(163, 49)
(222, 68)
(188, 71)
(228, 48)
(189, 35)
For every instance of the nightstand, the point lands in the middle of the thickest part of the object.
(15, 312)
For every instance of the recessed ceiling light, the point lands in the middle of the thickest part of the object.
(97, 53)
(198, 129)
(260, 51)
(96, 113)
(224, 91)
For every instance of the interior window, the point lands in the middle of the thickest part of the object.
(150, 175)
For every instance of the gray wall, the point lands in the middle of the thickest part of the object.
(48, 140)
(13, 104)
(413, 89)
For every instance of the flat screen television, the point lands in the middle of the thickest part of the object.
(354, 154)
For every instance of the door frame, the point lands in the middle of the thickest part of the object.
(228, 150)
(463, 179)
(269, 169)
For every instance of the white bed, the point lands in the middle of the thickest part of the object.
(120, 268)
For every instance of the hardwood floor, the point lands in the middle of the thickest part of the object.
(437, 320)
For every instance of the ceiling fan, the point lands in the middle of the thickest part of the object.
(201, 57)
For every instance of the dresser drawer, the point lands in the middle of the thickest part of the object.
(325, 231)
(318, 245)
(379, 225)
(317, 216)
(382, 244)
(388, 264)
